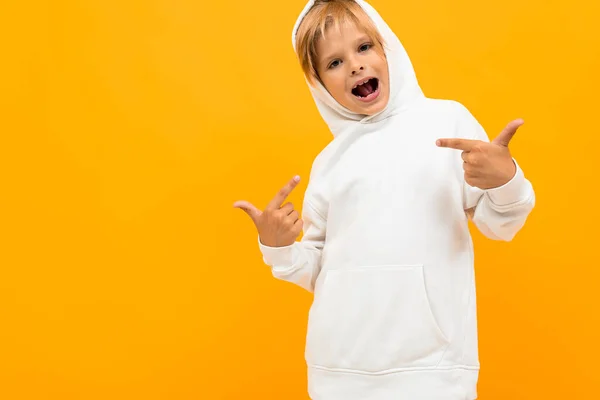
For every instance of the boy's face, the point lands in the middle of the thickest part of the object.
(346, 59)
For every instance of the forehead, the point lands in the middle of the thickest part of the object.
(339, 34)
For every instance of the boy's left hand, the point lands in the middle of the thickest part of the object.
(486, 165)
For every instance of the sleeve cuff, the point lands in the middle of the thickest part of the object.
(277, 256)
(512, 191)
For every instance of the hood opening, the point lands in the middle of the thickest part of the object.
(403, 84)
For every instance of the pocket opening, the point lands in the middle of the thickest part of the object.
(374, 318)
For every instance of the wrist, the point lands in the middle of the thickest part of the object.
(512, 191)
(272, 243)
(511, 171)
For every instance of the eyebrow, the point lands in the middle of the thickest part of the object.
(362, 38)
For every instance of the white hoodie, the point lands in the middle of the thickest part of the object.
(386, 248)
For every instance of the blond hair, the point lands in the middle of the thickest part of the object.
(325, 14)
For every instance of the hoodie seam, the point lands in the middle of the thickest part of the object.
(471, 296)
(397, 370)
(315, 210)
(509, 206)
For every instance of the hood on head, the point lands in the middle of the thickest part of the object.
(404, 87)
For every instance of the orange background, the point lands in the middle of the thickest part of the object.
(129, 128)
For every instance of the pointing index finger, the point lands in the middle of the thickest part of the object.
(283, 193)
(458, 144)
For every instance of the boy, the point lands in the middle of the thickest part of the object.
(386, 248)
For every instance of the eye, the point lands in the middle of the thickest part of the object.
(334, 64)
(365, 47)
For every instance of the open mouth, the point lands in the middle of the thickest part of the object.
(368, 90)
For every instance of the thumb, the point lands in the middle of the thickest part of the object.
(249, 209)
(506, 135)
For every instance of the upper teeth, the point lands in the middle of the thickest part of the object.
(361, 83)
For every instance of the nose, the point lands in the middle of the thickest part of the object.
(356, 69)
(355, 64)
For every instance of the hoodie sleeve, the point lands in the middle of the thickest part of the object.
(499, 213)
(299, 263)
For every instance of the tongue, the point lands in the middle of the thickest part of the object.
(365, 89)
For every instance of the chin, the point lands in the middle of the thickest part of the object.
(375, 109)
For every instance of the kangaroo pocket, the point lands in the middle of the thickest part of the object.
(373, 319)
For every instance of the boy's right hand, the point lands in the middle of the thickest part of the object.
(277, 225)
